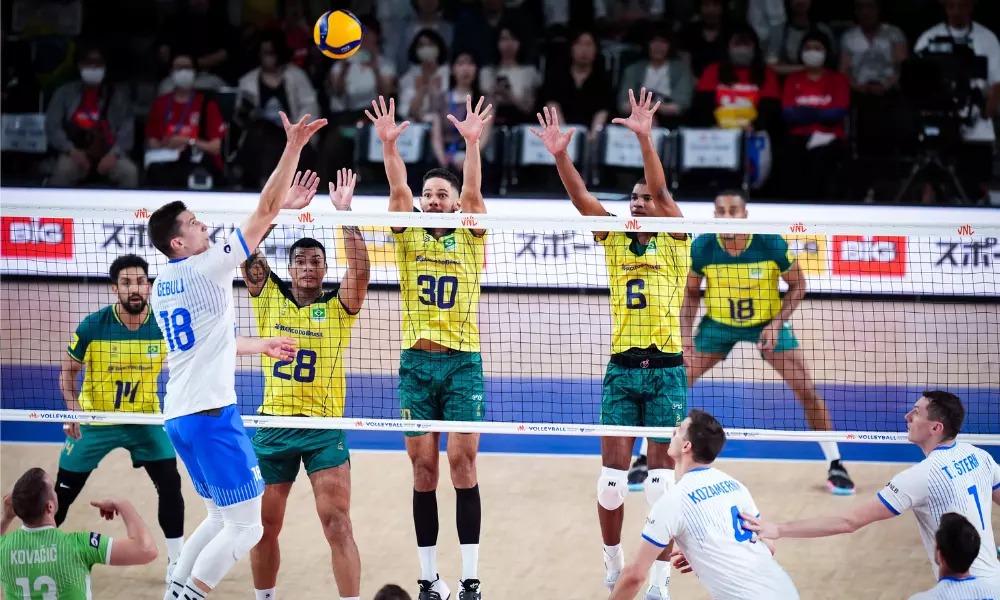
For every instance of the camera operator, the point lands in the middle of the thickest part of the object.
(975, 160)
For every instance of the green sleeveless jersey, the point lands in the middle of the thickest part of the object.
(50, 564)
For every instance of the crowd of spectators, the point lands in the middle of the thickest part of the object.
(197, 105)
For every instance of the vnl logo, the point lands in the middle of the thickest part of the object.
(633, 225)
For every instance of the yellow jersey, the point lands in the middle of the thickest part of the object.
(121, 365)
(439, 284)
(647, 286)
(742, 290)
(312, 383)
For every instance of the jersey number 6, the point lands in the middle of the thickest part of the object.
(305, 367)
(634, 298)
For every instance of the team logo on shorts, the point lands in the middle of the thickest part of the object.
(319, 313)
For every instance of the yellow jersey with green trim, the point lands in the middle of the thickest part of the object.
(439, 282)
(742, 290)
(647, 287)
(121, 365)
(312, 383)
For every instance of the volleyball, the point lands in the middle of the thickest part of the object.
(337, 34)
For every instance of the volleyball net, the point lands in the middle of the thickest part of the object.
(891, 309)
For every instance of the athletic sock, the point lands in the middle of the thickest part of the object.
(174, 547)
(192, 592)
(265, 594)
(613, 558)
(661, 573)
(644, 447)
(830, 451)
(428, 562)
(469, 520)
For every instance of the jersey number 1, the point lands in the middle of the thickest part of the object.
(177, 329)
(49, 593)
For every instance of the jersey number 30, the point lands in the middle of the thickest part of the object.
(48, 593)
(305, 367)
(438, 292)
(177, 329)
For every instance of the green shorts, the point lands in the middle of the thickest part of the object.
(654, 397)
(279, 451)
(718, 338)
(441, 386)
(146, 444)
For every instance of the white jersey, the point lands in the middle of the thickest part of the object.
(959, 478)
(971, 588)
(702, 513)
(193, 303)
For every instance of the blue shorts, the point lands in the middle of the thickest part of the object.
(218, 455)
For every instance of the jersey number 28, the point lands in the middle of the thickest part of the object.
(48, 593)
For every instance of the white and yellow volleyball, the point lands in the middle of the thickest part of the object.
(337, 34)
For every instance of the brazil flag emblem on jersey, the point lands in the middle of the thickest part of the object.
(319, 313)
(448, 242)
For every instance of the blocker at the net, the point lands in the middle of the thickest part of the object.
(889, 310)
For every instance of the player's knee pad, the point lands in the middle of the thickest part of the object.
(243, 525)
(69, 484)
(612, 487)
(164, 475)
(658, 483)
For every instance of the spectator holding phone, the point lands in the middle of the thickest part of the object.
(511, 85)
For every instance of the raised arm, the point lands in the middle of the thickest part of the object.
(255, 269)
(139, 548)
(471, 130)
(354, 284)
(640, 122)
(272, 197)
(384, 119)
(8, 514)
(557, 143)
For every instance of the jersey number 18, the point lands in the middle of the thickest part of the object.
(177, 329)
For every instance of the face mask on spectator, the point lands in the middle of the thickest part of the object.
(427, 53)
(741, 56)
(92, 75)
(813, 58)
(183, 78)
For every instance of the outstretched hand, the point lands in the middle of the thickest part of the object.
(759, 527)
(107, 508)
(298, 134)
(384, 120)
(303, 190)
(281, 348)
(342, 193)
(555, 139)
(640, 122)
(471, 129)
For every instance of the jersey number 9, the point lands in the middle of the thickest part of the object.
(177, 329)
(304, 371)
(634, 298)
(438, 292)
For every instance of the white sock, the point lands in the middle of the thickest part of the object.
(192, 591)
(830, 451)
(265, 594)
(644, 447)
(661, 573)
(470, 561)
(614, 559)
(428, 562)
(350, 598)
(174, 547)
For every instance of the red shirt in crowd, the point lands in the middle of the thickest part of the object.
(88, 114)
(169, 117)
(736, 103)
(816, 105)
